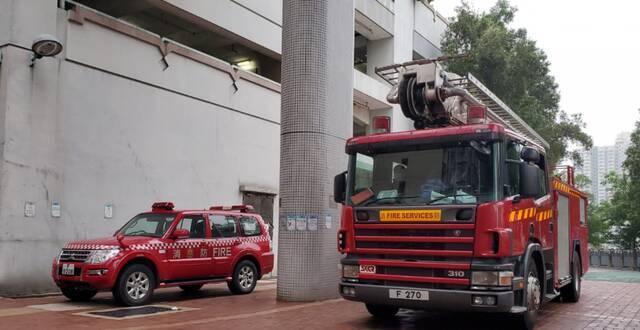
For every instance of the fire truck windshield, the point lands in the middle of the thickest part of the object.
(461, 174)
(148, 224)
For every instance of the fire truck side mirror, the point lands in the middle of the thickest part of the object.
(340, 187)
(529, 180)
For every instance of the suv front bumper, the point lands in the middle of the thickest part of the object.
(83, 277)
(447, 300)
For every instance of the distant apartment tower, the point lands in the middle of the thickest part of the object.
(601, 160)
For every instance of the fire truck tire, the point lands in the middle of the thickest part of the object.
(191, 288)
(571, 292)
(134, 286)
(75, 293)
(245, 277)
(533, 298)
(382, 312)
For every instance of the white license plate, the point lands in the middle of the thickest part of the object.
(409, 294)
(68, 269)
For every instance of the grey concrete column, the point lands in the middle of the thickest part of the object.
(317, 96)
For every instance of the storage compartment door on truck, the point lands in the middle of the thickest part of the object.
(563, 247)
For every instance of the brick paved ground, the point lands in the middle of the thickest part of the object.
(604, 305)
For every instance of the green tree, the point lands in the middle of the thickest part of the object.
(623, 212)
(516, 70)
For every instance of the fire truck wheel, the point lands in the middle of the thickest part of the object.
(571, 292)
(382, 312)
(533, 298)
(75, 293)
(134, 286)
(245, 277)
(191, 288)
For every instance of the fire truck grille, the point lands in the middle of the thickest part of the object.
(418, 255)
(74, 255)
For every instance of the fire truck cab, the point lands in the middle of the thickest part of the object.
(166, 247)
(462, 214)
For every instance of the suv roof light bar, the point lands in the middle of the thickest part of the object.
(167, 206)
(244, 208)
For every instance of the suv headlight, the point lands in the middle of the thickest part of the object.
(100, 256)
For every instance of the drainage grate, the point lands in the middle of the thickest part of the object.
(134, 312)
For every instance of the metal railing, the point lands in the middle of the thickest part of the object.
(621, 259)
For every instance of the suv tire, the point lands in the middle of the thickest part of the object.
(134, 286)
(191, 288)
(382, 312)
(245, 277)
(75, 293)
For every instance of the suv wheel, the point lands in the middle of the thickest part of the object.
(382, 312)
(191, 288)
(244, 279)
(134, 286)
(75, 293)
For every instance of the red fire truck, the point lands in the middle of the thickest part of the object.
(166, 247)
(461, 214)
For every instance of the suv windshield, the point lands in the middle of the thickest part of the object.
(148, 224)
(450, 175)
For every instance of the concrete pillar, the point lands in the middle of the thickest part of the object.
(316, 120)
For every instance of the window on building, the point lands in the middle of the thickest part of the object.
(250, 226)
(360, 53)
(195, 224)
(223, 226)
(192, 31)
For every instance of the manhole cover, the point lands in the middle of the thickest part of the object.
(132, 312)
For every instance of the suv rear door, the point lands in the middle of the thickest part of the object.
(225, 242)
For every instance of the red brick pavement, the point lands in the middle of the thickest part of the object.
(604, 305)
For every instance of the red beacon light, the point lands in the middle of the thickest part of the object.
(242, 208)
(476, 114)
(166, 206)
(381, 124)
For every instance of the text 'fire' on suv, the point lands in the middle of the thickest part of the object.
(167, 247)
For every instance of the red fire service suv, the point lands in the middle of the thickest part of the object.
(461, 214)
(166, 247)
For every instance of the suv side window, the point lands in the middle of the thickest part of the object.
(250, 226)
(223, 226)
(195, 224)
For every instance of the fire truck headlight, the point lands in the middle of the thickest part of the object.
(492, 278)
(350, 271)
(505, 278)
(100, 256)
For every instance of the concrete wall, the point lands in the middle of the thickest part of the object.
(103, 123)
(234, 15)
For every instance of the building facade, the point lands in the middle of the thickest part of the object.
(601, 160)
(174, 100)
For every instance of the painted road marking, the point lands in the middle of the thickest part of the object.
(18, 311)
(63, 307)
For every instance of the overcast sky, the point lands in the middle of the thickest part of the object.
(594, 50)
